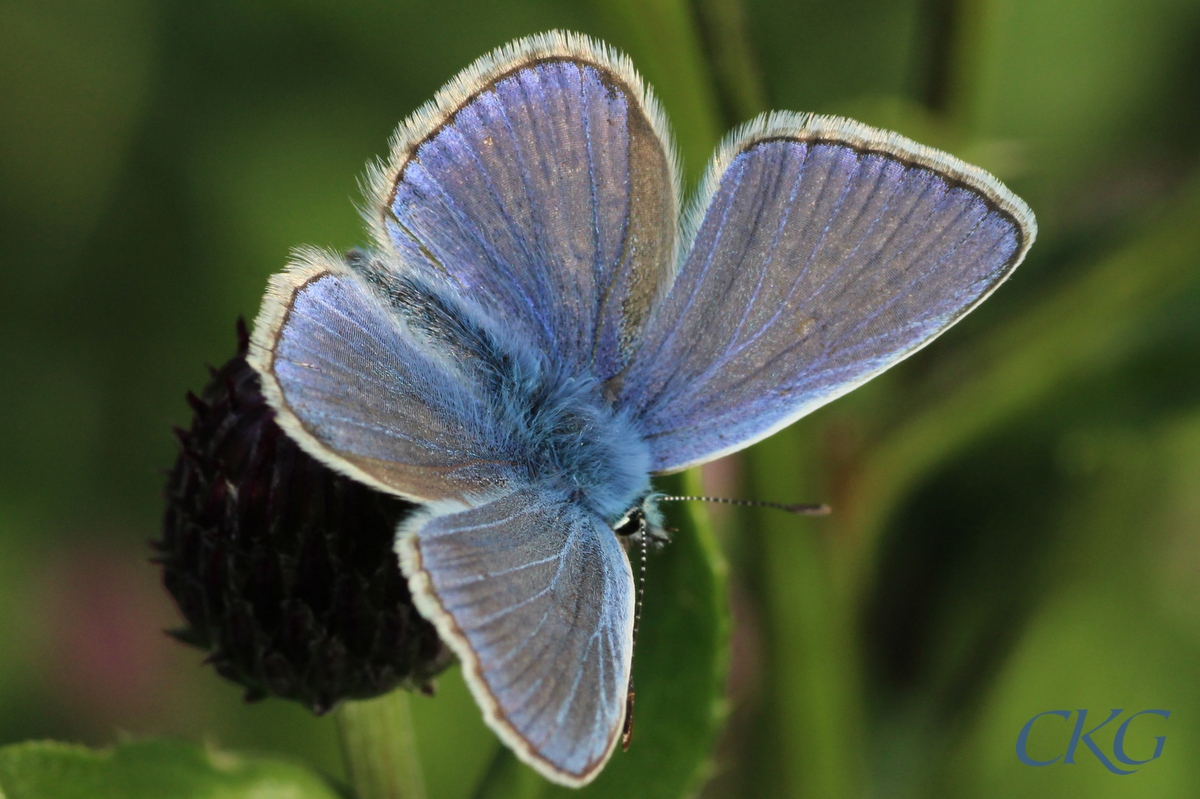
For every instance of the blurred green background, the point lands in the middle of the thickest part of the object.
(1017, 508)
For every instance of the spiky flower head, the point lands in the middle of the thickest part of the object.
(284, 570)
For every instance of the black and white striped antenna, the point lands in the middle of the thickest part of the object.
(799, 509)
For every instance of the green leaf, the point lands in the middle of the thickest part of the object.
(679, 670)
(151, 769)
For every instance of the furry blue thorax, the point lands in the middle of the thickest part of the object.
(539, 331)
(580, 445)
(572, 442)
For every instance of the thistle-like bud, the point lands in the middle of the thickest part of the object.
(284, 569)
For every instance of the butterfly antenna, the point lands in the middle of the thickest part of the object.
(801, 509)
(627, 733)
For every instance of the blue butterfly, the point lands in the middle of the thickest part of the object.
(536, 333)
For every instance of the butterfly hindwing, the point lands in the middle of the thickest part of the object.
(369, 381)
(524, 349)
(541, 182)
(402, 384)
(536, 597)
(826, 252)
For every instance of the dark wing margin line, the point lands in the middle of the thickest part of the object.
(430, 606)
(616, 68)
(806, 128)
(307, 266)
(819, 129)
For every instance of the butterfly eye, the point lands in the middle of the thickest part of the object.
(630, 523)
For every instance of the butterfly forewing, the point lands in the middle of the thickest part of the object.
(521, 352)
(541, 182)
(397, 384)
(535, 595)
(827, 253)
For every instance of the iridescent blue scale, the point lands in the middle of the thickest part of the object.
(537, 332)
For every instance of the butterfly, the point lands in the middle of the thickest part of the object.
(535, 333)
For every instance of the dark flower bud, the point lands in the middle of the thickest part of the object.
(284, 569)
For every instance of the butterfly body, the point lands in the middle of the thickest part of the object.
(538, 330)
(553, 427)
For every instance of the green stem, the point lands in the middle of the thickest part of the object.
(661, 37)
(509, 778)
(379, 747)
(1092, 321)
(732, 59)
(815, 692)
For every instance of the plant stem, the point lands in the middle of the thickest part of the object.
(508, 778)
(379, 747)
(1092, 321)
(662, 39)
(732, 59)
(815, 700)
